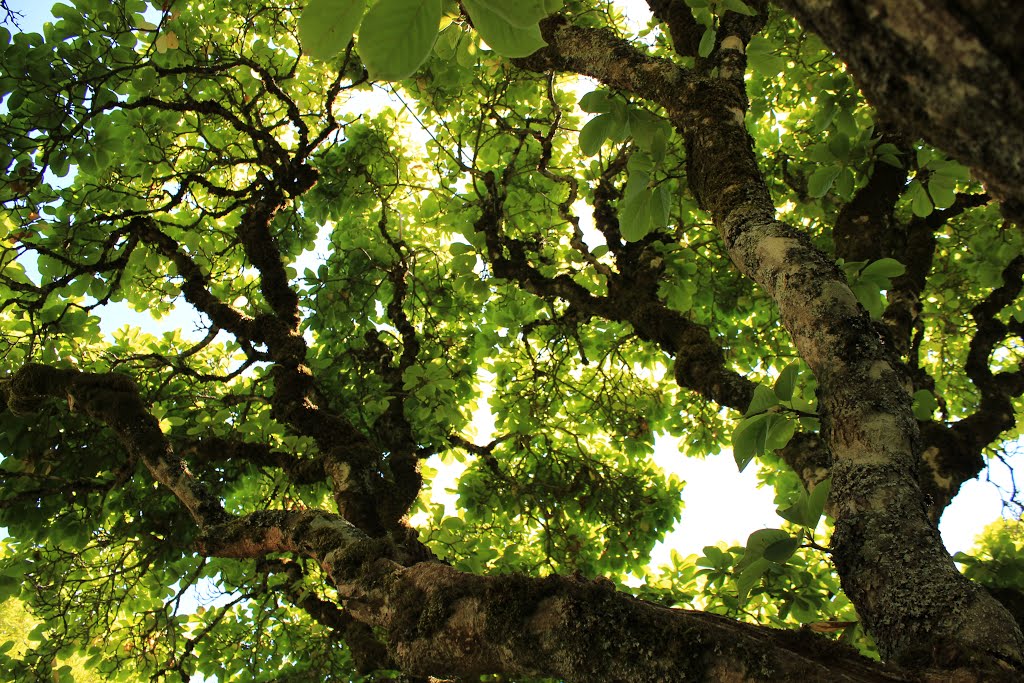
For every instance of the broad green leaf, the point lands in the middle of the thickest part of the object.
(786, 382)
(839, 145)
(762, 58)
(744, 440)
(640, 163)
(635, 219)
(760, 540)
(661, 199)
(759, 434)
(820, 181)
(763, 399)
(780, 551)
(887, 268)
(942, 189)
(595, 132)
(396, 36)
(326, 26)
(821, 153)
(524, 13)
(924, 404)
(749, 576)
(816, 501)
(797, 512)
(596, 102)
(638, 183)
(870, 297)
(843, 185)
(503, 37)
(950, 168)
(707, 42)
(780, 431)
(738, 6)
(645, 127)
(920, 203)
(887, 148)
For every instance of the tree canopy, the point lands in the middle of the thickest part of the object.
(719, 228)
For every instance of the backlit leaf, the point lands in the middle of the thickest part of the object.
(396, 36)
(326, 26)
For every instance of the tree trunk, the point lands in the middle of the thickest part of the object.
(946, 71)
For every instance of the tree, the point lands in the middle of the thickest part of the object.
(720, 242)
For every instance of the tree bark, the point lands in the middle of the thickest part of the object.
(889, 555)
(946, 71)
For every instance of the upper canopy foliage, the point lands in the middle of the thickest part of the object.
(366, 277)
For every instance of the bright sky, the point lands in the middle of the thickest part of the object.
(721, 503)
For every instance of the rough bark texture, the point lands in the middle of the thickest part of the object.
(889, 555)
(439, 621)
(949, 71)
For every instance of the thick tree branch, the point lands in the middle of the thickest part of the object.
(632, 297)
(682, 27)
(113, 399)
(881, 523)
(440, 621)
(947, 70)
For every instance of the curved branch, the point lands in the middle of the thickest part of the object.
(113, 399)
(881, 524)
(444, 622)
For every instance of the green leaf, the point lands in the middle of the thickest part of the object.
(839, 146)
(326, 26)
(645, 128)
(503, 37)
(821, 153)
(774, 545)
(843, 185)
(749, 576)
(821, 180)
(595, 132)
(869, 297)
(524, 13)
(780, 551)
(951, 169)
(780, 431)
(707, 42)
(596, 102)
(924, 404)
(763, 399)
(739, 7)
(816, 502)
(942, 189)
(396, 36)
(887, 148)
(661, 205)
(635, 220)
(887, 268)
(759, 434)
(786, 382)
(762, 58)
(797, 512)
(920, 203)
(744, 440)
(759, 540)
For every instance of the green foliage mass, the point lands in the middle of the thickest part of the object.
(141, 139)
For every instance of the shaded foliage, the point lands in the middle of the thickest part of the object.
(493, 271)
